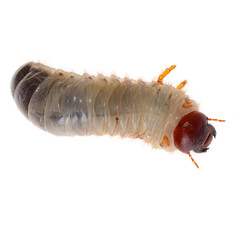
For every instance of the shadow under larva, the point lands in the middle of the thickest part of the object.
(68, 104)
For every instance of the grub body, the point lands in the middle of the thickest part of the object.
(65, 103)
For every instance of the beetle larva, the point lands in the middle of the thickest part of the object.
(65, 103)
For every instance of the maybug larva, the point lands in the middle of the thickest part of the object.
(65, 103)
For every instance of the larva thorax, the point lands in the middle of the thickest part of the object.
(69, 104)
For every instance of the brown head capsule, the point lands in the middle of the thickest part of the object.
(193, 133)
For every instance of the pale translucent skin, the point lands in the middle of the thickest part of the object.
(70, 104)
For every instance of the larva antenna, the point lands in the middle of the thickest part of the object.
(215, 119)
(193, 160)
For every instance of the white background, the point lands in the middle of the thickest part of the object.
(111, 188)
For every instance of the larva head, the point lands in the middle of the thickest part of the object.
(193, 133)
(24, 83)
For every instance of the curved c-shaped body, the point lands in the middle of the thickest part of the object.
(69, 104)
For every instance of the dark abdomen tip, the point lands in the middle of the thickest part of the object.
(24, 83)
(19, 75)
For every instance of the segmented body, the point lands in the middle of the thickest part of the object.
(69, 104)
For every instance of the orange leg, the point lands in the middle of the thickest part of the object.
(164, 74)
(181, 85)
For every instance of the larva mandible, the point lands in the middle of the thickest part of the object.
(65, 103)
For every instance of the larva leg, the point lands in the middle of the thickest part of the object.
(187, 104)
(165, 142)
(182, 84)
(164, 74)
